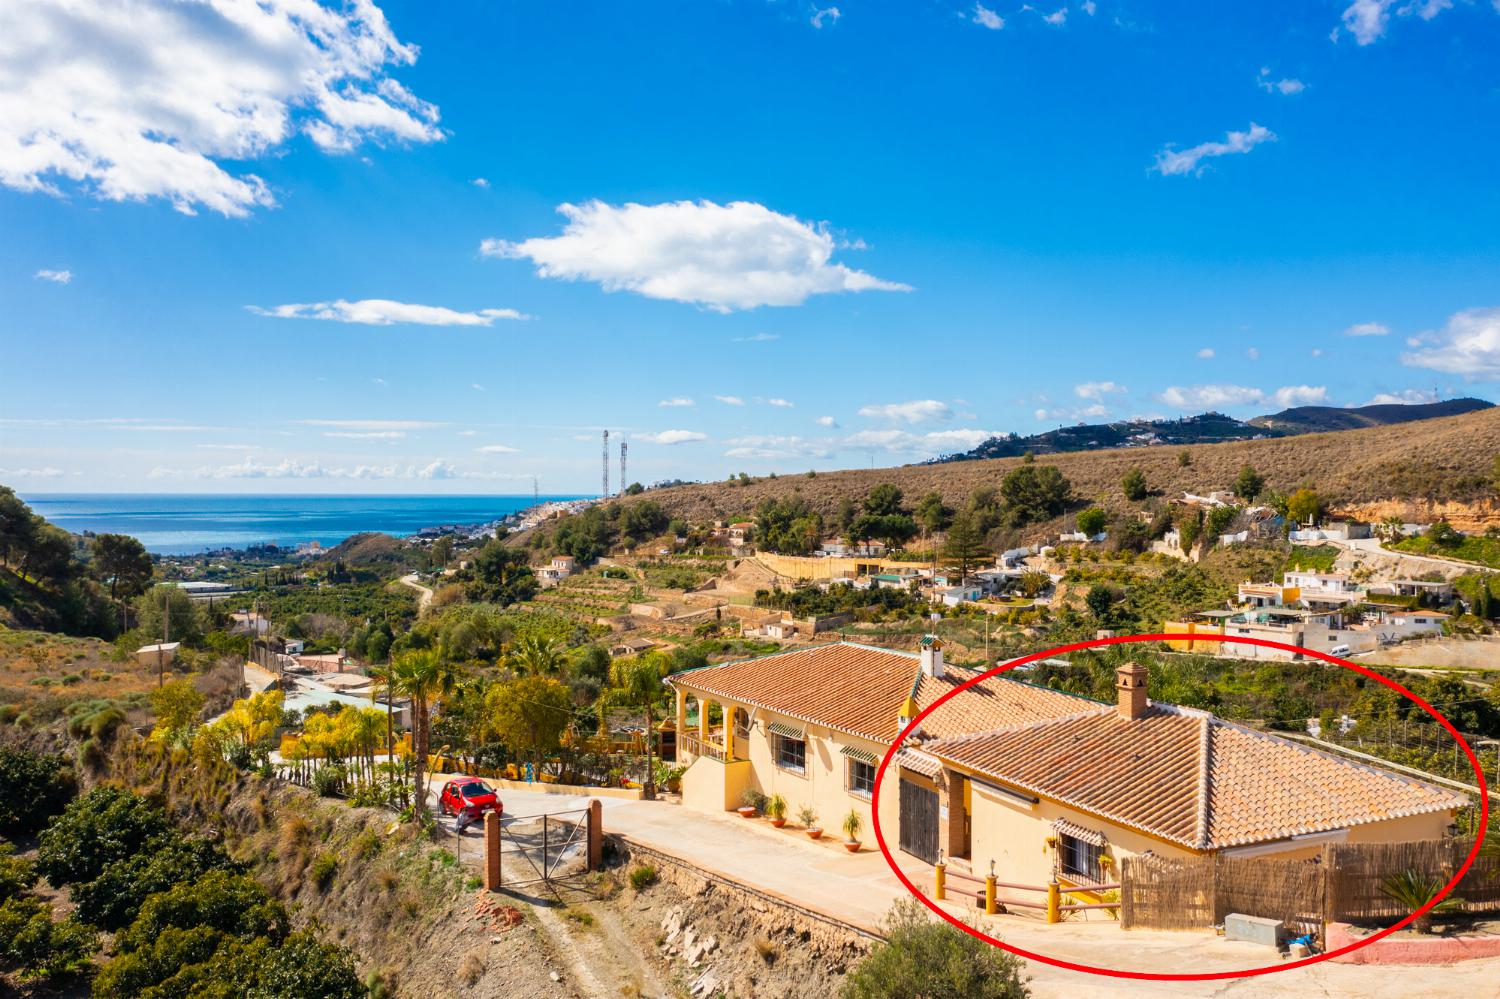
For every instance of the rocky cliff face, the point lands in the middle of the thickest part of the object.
(1470, 516)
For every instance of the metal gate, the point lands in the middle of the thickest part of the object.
(919, 821)
(543, 847)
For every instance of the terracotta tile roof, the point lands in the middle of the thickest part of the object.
(1190, 778)
(860, 689)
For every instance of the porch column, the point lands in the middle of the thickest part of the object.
(681, 732)
(703, 719)
(728, 712)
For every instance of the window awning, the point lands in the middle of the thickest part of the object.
(862, 755)
(1065, 828)
(919, 762)
(785, 731)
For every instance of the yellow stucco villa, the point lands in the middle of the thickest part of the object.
(1040, 783)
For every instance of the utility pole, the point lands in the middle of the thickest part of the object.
(624, 481)
(166, 631)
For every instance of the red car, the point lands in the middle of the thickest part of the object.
(471, 793)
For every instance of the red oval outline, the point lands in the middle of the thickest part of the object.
(1484, 811)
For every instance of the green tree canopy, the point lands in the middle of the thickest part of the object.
(529, 714)
(1249, 484)
(1304, 506)
(1034, 492)
(1134, 485)
(965, 547)
(1092, 520)
(499, 575)
(932, 513)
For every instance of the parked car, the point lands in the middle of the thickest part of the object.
(468, 792)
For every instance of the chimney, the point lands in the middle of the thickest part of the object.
(1130, 685)
(932, 656)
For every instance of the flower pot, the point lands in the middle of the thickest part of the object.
(852, 845)
(778, 823)
(814, 833)
(746, 811)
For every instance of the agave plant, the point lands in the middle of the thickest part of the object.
(1414, 889)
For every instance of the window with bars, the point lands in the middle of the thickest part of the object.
(790, 754)
(1079, 858)
(860, 778)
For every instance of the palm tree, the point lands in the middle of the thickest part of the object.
(424, 677)
(535, 655)
(1414, 889)
(636, 682)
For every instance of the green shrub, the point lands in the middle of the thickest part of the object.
(921, 957)
(103, 826)
(642, 876)
(113, 899)
(33, 788)
(324, 869)
(38, 945)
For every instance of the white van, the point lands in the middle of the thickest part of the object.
(1339, 650)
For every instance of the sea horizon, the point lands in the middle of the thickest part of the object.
(191, 523)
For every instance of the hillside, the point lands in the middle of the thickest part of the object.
(1415, 468)
(1209, 428)
(1316, 419)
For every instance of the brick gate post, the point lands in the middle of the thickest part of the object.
(492, 851)
(596, 834)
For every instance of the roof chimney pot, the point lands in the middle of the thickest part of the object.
(1130, 685)
(932, 656)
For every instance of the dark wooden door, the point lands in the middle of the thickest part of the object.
(919, 822)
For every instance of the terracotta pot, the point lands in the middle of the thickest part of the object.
(814, 833)
(746, 812)
(852, 845)
(778, 823)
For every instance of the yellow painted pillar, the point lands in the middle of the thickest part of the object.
(991, 905)
(1054, 903)
(702, 719)
(728, 731)
(681, 721)
(940, 890)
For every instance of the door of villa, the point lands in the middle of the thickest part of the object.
(919, 822)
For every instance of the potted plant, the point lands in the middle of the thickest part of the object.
(751, 802)
(1106, 864)
(809, 818)
(776, 810)
(852, 825)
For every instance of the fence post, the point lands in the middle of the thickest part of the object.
(1054, 902)
(990, 905)
(492, 851)
(596, 834)
(940, 889)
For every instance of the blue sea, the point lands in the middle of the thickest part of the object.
(181, 524)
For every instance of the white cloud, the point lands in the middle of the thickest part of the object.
(915, 411)
(1097, 390)
(1316, 352)
(1367, 329)
(1285, 86)
(1406, 397)
(676, 401)
(984, 17)
(468, 433)
(1367, 20)
(1177, 162)
(827, 421)
(384, 312)
(371, 424)
(1253, 353)
(480, 183)
(1057, 18)
(1205, 353)
(56, 277)
(1088, 7)
(723, 257)
(1467, 345)
(1300, 395)
(497, 449)
(780, 403)
(674, 437)
(757, 338)
(478, 387)
(366, 435)
(1072, 415)
(770, 447)
(47, 472)
(292, 468)
(829, 14)
(145, 99)
(730, 400)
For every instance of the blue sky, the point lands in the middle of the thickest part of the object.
(332, 254)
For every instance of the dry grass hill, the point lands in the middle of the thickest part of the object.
(1439, 468)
